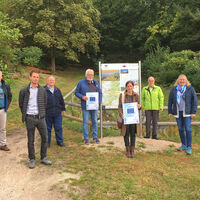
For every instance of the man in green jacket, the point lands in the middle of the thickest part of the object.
(152, 104)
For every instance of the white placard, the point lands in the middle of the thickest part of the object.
(130, 112)
(93, 101)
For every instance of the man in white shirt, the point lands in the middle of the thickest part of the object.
(32, 102)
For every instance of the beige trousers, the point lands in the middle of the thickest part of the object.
(3, 116)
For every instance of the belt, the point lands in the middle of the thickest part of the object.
(2, 108)
(33, 116)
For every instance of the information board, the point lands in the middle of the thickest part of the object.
(113, 79)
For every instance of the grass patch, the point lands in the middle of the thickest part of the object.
(101, 146)
(110, 175)
(142, 145)
(172, 146)
(110, 143)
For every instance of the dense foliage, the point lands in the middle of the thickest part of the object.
(29, 55)
(166, 66)
(160, 33)
(9, 37)
(65, 25)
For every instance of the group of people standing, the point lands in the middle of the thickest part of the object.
(43, 107)
(182, 104)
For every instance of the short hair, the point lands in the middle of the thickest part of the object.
(50, 77)
(130, 82)
(151, 77)
(88, 71)
(177, 80)
(1, 73)
(34, 71)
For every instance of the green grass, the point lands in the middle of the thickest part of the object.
(160, 175)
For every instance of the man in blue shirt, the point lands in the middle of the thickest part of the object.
(84, 86)
(5, 99)
(54, 111)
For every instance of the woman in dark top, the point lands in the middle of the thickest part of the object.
(128, 96)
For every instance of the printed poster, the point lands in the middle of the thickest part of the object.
(130, 112)
(114, 78)
(93, 101)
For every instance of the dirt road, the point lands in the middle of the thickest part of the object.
(18, 182)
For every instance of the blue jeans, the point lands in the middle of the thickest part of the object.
(86, 114)
(56, 121)
(184, 125)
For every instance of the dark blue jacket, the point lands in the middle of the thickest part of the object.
(191, 101)
(7, 94)
(82, 88)
(55, 102)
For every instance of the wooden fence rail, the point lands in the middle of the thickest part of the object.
(112, 123)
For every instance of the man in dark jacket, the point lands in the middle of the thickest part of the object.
(85, 86)
(32, 102)
(54, 111)
(5, 99)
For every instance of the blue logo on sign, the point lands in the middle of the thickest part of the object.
(130, 110)
(92, 98)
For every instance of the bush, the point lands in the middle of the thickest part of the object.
(166, 66)
(4, 69)
(29, 55)
(152, 64)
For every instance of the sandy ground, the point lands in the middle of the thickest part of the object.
(142, 144)
(18, 182)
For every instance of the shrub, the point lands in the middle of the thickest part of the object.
(166, 66)
(152, 64)
(29, 55)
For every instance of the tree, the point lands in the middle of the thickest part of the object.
(60, 24)
(185, 29)
(9, 37)
(177, 26)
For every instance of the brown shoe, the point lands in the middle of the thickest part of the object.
(131, 152)
(128, 155)
(4, 148)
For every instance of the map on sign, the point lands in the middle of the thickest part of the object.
(114, 78)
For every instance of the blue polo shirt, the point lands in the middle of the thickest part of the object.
(2, 99)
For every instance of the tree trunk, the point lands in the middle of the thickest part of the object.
(53, 56)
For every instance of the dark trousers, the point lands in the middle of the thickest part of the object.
(130, 130)
(40, 124)
(55, 121)
(151, 116)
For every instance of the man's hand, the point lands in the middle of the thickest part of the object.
(63, 113)
(160, 111)
(170, 115)
(143, 110)
(193, 115)
(85, 98)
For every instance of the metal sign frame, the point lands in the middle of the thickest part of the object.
(140, 112)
